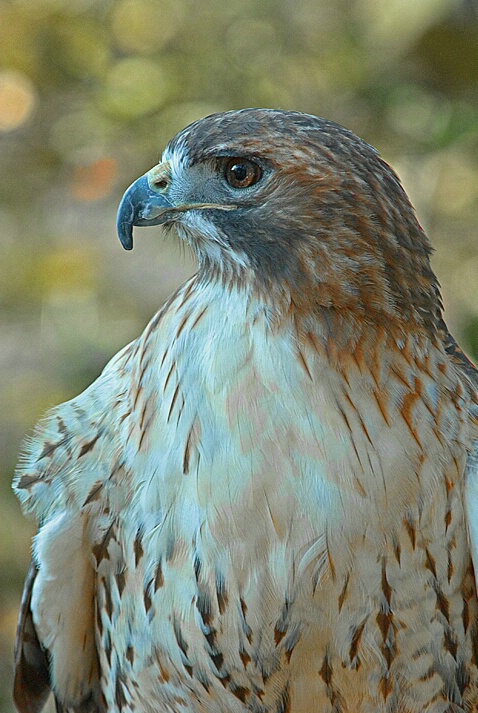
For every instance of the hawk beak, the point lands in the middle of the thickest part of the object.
(144, 203)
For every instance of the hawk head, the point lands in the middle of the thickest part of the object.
(289, 202)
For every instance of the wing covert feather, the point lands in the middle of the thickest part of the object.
(469, 375)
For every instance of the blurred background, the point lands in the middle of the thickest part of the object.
(91, 91)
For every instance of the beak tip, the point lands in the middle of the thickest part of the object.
(125, 234)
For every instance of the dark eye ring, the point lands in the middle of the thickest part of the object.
(242, 173)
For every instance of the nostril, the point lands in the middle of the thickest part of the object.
(160, 183)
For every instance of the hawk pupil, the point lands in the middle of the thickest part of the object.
(240, 171)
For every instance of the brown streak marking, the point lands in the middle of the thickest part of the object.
(139, 389)
(158, 577)
(144, 362)
(385, 623)
(240, 692)
(397, 550)
(407, 354)
(164, 674)
(245, 658)
(358, 355)
(290, 651)
(355, 642)
(411, 532)
(442, 603)
(364, 428)
(217, 659)
(166, 352)
(204, 682)
(100, 551)
(474, 643)
(88, 446)
(99, 622)
(222, 597)
(458, 467)
(343, 593)
(465, 614)
(450, 568)
(182, 324)
(386, 588)
(147, 599)
(26, 481)
(169, 374)
(330, 560)
(429, 408)
(438, 435)
(198, 318)
(179, 638)
(315, 342)
(450, 643)
(428, 675)
(61, 425)
(189, 669)
(49, 448)
(120, 698)
(430, 563)
(173, 401)
(180, 410)
(326, 671)
(385, 686)
(375, 363)
(285, 703)
(382, 407)
(187, 452)
(120, 582)
(143, 435)
(211, 639)
(400, 377)
(358, 485)
(143, 414)
(145, 431)
(107, 648)
(373, 369)
(130, 654)
(138, 549)
(247, 628)
(303, 364)
(186, 294)
(347, 423)
(345, 376)
(278, 636)
(334, 697)
(108, 601)
(406, 411)
(93, 494)
(125, 416)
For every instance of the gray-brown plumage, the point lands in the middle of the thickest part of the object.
(269, 501)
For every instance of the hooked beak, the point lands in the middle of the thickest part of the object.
(143, 204)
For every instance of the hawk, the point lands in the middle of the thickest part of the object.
(268, 502)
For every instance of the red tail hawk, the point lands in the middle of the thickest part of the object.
(268, 502)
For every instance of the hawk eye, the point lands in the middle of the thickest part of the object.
(242, 173)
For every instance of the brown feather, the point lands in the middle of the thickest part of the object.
(31, 686)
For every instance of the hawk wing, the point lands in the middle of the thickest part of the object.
(65, 478)
(469, 375)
